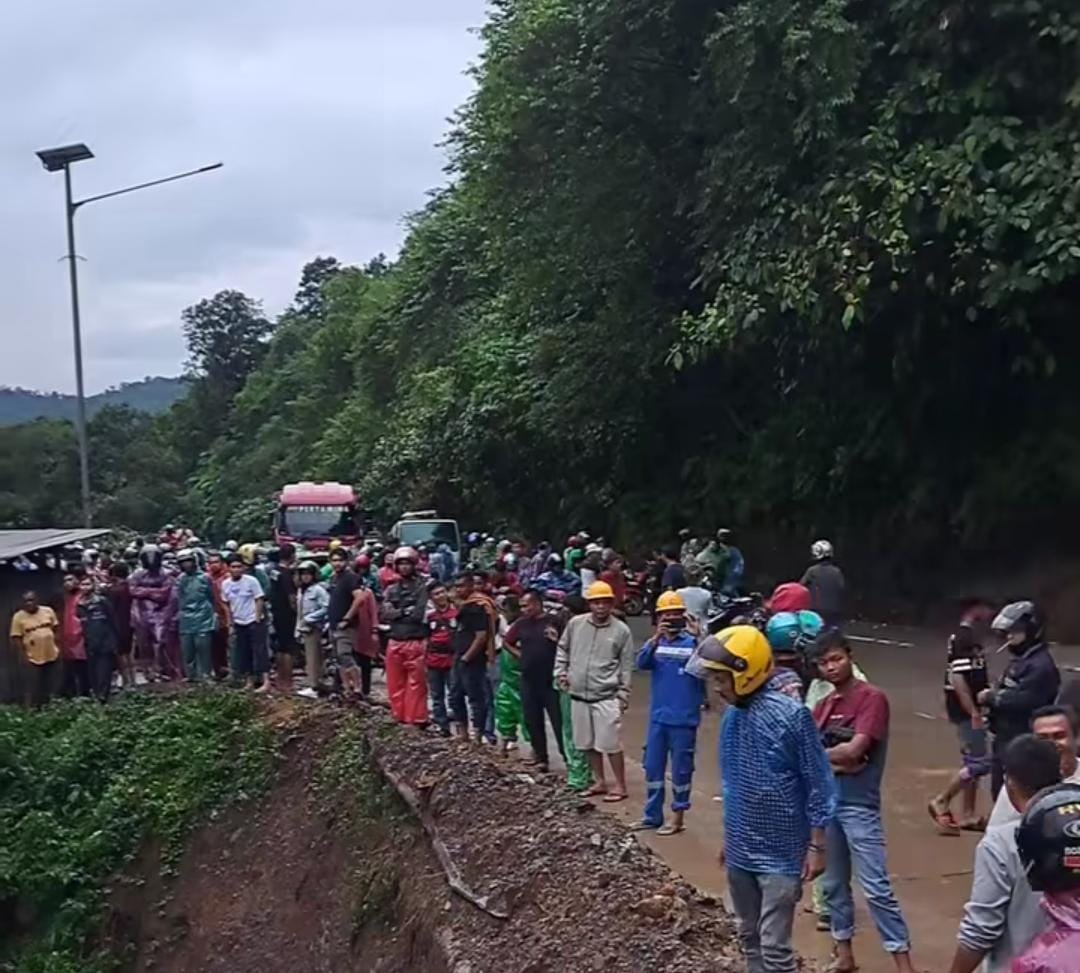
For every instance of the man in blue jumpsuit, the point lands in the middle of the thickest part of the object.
(675, 701)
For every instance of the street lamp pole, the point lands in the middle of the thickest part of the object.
(76, 328)
(62, 158)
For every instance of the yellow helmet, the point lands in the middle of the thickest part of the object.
(335, 544)
(670, 601)
(598, 590)
(741, 650)
(248, 553)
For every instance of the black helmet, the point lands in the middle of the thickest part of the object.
(1048, 839)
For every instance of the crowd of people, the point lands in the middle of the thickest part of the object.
(503, 644)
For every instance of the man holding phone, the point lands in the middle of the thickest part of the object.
(675, 701)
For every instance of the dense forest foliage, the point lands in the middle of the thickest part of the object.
(797, 265)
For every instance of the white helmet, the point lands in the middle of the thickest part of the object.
(820, 550)
(186, 555)
(231, 546)
(593, 548)
(406, 554)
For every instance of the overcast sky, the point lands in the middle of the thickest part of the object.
(326, 114)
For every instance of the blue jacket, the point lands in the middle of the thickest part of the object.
(675, 698)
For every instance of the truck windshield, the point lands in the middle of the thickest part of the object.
(317, 521)
(430, 532)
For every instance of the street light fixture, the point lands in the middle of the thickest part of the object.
(54, 160)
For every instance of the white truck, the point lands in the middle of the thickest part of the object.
(416, 527)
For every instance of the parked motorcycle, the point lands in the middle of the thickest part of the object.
(635, 596)
(726, 611)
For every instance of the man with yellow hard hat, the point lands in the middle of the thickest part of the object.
(779, 794)
(675, 701)
(593, 664)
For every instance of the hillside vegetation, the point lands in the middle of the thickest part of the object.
(803, 266)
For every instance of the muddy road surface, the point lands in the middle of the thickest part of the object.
(931, 873)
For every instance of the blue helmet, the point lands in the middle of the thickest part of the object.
(793, 632)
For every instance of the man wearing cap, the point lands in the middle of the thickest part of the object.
(593, 663)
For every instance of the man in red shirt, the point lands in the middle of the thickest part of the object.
(854, 725)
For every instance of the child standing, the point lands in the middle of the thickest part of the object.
(675, 701)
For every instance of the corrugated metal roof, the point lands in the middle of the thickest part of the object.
(16, 542)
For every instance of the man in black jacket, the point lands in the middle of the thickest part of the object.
(1030, 680)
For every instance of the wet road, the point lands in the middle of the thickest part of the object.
(931, 874)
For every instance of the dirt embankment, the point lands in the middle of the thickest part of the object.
(332, 870)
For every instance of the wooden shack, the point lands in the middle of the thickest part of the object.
(29, 559)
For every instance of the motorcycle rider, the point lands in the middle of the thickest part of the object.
(555, 577)
(734, 564)
(591, 565)
(791, 637)
(404, 608)
(1030, 680)
(575, 551)
(713, 560)
(825, 582)
(1046, 841)
(488, 554)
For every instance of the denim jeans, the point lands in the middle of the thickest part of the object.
(470, 682)
(439, 682)
(765, 909)
(855, 841)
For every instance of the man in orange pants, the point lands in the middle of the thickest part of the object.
(404, 608)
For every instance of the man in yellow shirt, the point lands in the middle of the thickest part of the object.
(33, 633)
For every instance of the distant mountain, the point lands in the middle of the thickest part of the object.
(150, 395)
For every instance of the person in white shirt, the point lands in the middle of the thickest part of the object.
(245, 605)
(698, 600)
(1003, 915)
(1058, 725)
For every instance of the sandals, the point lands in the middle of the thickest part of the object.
(596, 790)
(946, 823)
(613, 797)
(670, 829)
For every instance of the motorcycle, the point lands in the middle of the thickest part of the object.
(554, 605)
(636, 588)
(727, 610)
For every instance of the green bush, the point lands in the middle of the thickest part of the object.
(82, 786)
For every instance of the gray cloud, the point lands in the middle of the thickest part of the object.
(326, 114)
